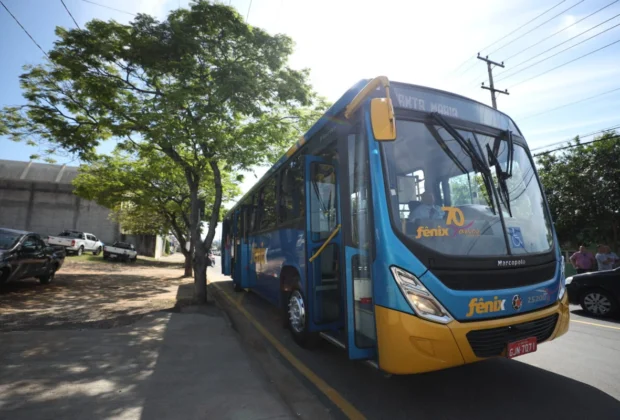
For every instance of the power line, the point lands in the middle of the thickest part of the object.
(561, 30)
(108, 7)
(564, 64)
(68, 11)
(570, 146)
(505, 36)
(568, 104)
(525, 24)
(562, 43)
(247, 16)
(24, 29)
(593, 133)
(536, 27)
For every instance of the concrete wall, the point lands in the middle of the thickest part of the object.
(149, 245)
(39, 197)
(48, 209)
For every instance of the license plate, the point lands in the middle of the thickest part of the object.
(521, 347)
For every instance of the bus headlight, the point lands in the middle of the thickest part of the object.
(420, 299)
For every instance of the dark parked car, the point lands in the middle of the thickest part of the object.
(24, 254)
(598, 292)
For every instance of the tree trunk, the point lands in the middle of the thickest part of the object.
(178, 233)
(188, 265)
(200, 264)
(217, 204)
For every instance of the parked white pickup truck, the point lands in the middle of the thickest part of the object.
(77, 242)
(120, 250)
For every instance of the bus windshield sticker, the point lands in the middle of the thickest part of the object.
(455, 225)
(516, 237)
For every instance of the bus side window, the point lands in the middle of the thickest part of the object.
(252, 214)
(299, 187)
(291, 201)
(285, 205)
(267, 205)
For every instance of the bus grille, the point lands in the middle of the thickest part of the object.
(492, 342)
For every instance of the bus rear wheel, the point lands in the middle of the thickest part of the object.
(298, 321)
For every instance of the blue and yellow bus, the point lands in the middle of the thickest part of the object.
(407, 226)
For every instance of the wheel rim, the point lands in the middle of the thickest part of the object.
(597, 303)
(297, 312)
(80, 251)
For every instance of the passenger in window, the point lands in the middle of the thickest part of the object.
(412, 206)
(427, 208)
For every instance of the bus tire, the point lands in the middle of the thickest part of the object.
(237, 288)
(298, 321)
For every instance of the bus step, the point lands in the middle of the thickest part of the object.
(335, 341)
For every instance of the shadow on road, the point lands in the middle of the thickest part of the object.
(496, 388)
(500, 388)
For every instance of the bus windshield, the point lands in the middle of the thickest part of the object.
(451, 185)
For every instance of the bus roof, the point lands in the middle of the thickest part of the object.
(349, 95)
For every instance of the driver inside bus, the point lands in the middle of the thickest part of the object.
(427, 208)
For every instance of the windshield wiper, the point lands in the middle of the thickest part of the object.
(502, 175)
(442, 143)
(469, 149)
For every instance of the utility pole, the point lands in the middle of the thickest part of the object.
(492, 88)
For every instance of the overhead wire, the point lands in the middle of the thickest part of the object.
(24, 29)
(68, 11)
(507, 35)
(526, 33)
(536, 27)
(568, 104)
(593, 133)
(565, 64)
(570, 146)
(561, 30)
(247, 16)
(499, 75)
(108, 7)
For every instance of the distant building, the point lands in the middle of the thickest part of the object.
(39, 197)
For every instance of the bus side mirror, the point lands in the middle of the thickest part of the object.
(382, 119)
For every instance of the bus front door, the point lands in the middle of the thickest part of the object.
(324, 290)
(357, 240)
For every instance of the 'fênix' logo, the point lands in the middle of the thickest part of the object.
(480, 306)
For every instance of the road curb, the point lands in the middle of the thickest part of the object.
(289, 383)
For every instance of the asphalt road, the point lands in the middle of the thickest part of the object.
(575, 377)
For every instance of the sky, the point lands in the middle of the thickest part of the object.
(412, 41)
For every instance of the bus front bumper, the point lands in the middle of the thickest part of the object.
(408, 344)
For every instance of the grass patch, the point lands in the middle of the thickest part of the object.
(141, 261)
(85, 257)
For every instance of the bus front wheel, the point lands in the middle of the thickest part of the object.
(298, 321)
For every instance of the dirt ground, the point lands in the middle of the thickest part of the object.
(93, 293)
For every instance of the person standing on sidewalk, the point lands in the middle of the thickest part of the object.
(605, 258)
(582, 260)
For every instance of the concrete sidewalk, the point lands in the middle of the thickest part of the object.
(166, 366)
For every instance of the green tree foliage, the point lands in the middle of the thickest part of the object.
(582, 184)
(148, 193)
(202, 87)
